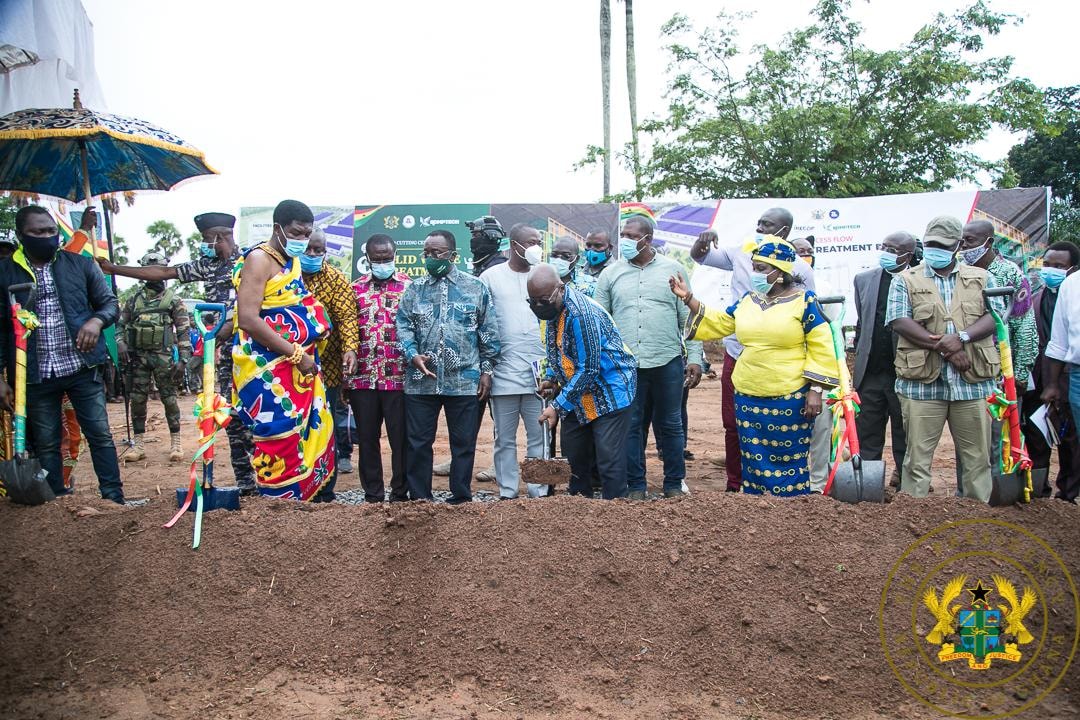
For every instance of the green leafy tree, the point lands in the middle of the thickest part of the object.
(8, 208)
(631, 93)
(167, 239)
(818, 113)
(120, 250)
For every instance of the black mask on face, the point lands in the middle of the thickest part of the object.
(155, 286)
(483, 247)
(545, 310)
(42, 249)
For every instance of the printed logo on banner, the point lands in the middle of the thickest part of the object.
(408, 222)
(834, 213)
(390, 222)
(428, 221)
(817, 214)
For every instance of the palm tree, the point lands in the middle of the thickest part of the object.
(605, 87)
(631, 91)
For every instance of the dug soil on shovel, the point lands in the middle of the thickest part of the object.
(712, 605)
(545, 472)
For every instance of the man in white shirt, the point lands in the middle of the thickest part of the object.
(707, 251)
(1064, 346)
(513, 387)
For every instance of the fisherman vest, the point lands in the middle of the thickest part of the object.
(151, 327)
(928, 309)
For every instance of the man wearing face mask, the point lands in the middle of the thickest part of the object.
(449, 334)
(591, 377)
(564, 258)
(213, 268)
(875, 353)
(707, 250)
(946, 360)
(597, 257)
(376, 390)
(513, 386)
(153, 326)
(650, 319)
(1060, 260)
(486, 244)
(73, 303)
(338, 357)
(804, 248)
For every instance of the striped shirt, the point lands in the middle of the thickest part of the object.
(587, 358)
(949, 385)
(57, 356)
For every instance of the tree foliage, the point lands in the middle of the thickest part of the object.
(176, 249)
(818, 113)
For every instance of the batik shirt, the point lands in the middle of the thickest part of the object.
(331, 288)
(379, 361)
(451, 320)
(1023, 332)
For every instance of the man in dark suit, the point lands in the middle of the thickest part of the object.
(875, 350)
(1060, 260)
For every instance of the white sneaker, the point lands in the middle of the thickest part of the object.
(442, 469)
(486, 475)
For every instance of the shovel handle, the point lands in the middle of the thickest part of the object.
(201, 308)
(12, 289)
(1007, 291)
(831, 299)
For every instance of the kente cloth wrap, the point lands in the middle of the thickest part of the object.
(70, 439)
(774, 441)
(287, 412)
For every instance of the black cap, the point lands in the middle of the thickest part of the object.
(214, 219)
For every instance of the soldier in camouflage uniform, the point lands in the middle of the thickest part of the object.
(153, 343)
(213, 268)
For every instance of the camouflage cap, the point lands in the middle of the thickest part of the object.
(153, 258)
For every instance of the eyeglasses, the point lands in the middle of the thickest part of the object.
(533, 302)
(890, 250)
(445, 255)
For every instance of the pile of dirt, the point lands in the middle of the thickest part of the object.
(710, 606)
(545, 472)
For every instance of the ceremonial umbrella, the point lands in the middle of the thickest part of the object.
(77, 154)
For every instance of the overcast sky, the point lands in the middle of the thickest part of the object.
(343, 102)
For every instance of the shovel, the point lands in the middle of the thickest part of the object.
(212, 410)
(25, 481)
(1012, 478)
(543, 473)
(855, 480)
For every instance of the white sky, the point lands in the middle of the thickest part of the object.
(342, 102)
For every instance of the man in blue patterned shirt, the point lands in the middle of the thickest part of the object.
(592, 377)
(449, 336)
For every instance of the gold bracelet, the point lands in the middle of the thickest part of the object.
(297, 354)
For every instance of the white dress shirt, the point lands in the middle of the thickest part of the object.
(1064, 342)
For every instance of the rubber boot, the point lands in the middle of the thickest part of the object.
(136, 452)
(176, 452)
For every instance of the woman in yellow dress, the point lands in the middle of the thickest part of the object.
(782, 373)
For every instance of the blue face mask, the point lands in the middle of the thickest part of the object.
(760, 282)
(938, 258)
(310, 263)
(382, 271)
(628, 248)
(1053, 277)
(887, 261)
(596, 257)
(207, 250)
(561, 266)
(295, 248)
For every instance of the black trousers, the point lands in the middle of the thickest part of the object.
(372, 409)
(600, 444)
(1068, 477)
(878, 406)
(421, 420)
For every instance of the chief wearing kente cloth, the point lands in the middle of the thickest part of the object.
(779, 378)
(277, 388)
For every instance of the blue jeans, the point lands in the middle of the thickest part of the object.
(662, 388)
(87, 393)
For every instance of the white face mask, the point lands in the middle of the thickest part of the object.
(534, 254)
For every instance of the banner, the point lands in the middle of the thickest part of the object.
(848, 231)
(256, 224)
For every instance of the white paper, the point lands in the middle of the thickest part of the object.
(1041, 420)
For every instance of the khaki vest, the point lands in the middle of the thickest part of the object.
(151, 325)
(928, 309)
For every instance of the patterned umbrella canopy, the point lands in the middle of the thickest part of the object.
(54, 152)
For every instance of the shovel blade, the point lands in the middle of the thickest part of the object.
(26, 481)
(863, 484)
(214, 498)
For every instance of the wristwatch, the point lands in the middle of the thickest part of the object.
(964, 337)
(817, 389)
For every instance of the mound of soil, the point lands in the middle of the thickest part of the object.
(710, 606)
(545, 472)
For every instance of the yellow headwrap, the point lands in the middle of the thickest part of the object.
(774, 251)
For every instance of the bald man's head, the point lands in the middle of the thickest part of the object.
(897, 251)
(775, 221)
(546, 291)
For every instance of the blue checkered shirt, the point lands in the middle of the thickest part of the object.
(56, 353)
(948, 385)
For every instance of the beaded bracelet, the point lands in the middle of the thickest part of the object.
(297, 354)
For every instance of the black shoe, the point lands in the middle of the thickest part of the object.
(687, 455)
(118, 499)
(248, 491)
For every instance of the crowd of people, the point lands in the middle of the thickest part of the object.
(598, 345)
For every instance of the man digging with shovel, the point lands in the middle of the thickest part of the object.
(591, 378)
